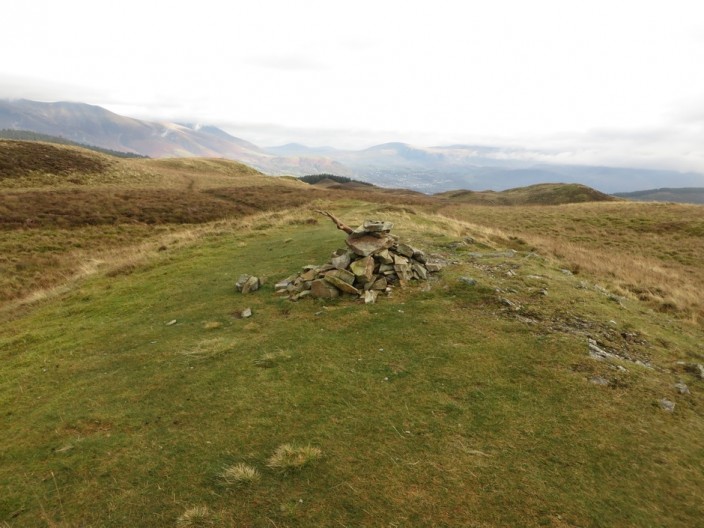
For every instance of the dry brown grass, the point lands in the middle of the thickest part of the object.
(196, 516)
(288, 457)
(240, 474)
(650, 251)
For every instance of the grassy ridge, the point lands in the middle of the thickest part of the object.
(436, 407)
(540, 194)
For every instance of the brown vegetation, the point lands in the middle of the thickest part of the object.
(17, 158)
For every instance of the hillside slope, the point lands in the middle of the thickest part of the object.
(554, 365)
(128, 396)
(95, 125)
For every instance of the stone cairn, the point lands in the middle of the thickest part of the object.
(372, 263)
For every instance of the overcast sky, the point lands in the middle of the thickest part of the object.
(617, 81)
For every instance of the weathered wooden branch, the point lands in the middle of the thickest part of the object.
(340, 225)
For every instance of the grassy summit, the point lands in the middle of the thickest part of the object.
(134, 395)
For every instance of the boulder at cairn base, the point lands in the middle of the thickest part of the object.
(321, 289)
(341, 284)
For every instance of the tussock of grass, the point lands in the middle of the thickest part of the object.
(195, 517)
(240, 474)
(288, 457)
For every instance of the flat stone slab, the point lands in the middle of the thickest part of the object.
(374, 226)
(343, 275)
(365, 245)
(341, 285)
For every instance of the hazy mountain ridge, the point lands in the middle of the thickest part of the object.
(445, 168)
(97, 126)
(694, 195)
(395, 164)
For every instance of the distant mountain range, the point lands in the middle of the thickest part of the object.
(425, 169)
(693, 195)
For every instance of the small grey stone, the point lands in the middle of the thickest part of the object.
(433, 267)
(697, 369)
(509, 303)
(241, 281)
(682, 388)
(667, 405)
(468, 281)
(247, 312)
(405, 250)
(341, 261)
(370, 296)
(251, 285)
(598, 380)
(567, 272)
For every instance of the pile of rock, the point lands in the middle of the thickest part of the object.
(372, 263)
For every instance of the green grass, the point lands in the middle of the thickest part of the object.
(435, 407)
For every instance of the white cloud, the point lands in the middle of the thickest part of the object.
(598, 80)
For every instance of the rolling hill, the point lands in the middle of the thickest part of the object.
(693, 195)
(541, 194)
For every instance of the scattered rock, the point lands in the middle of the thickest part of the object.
(697, 369)
(598, 380)
(509, 303)
(171, 323)
(247, 312)
(567, 272)
(681, 388)
(469, 281)
(370, 296)
(596, 352)
(667, 405)
(496, 254)
(247, 283)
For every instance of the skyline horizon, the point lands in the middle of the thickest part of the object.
(598, 83)
(537, 155)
